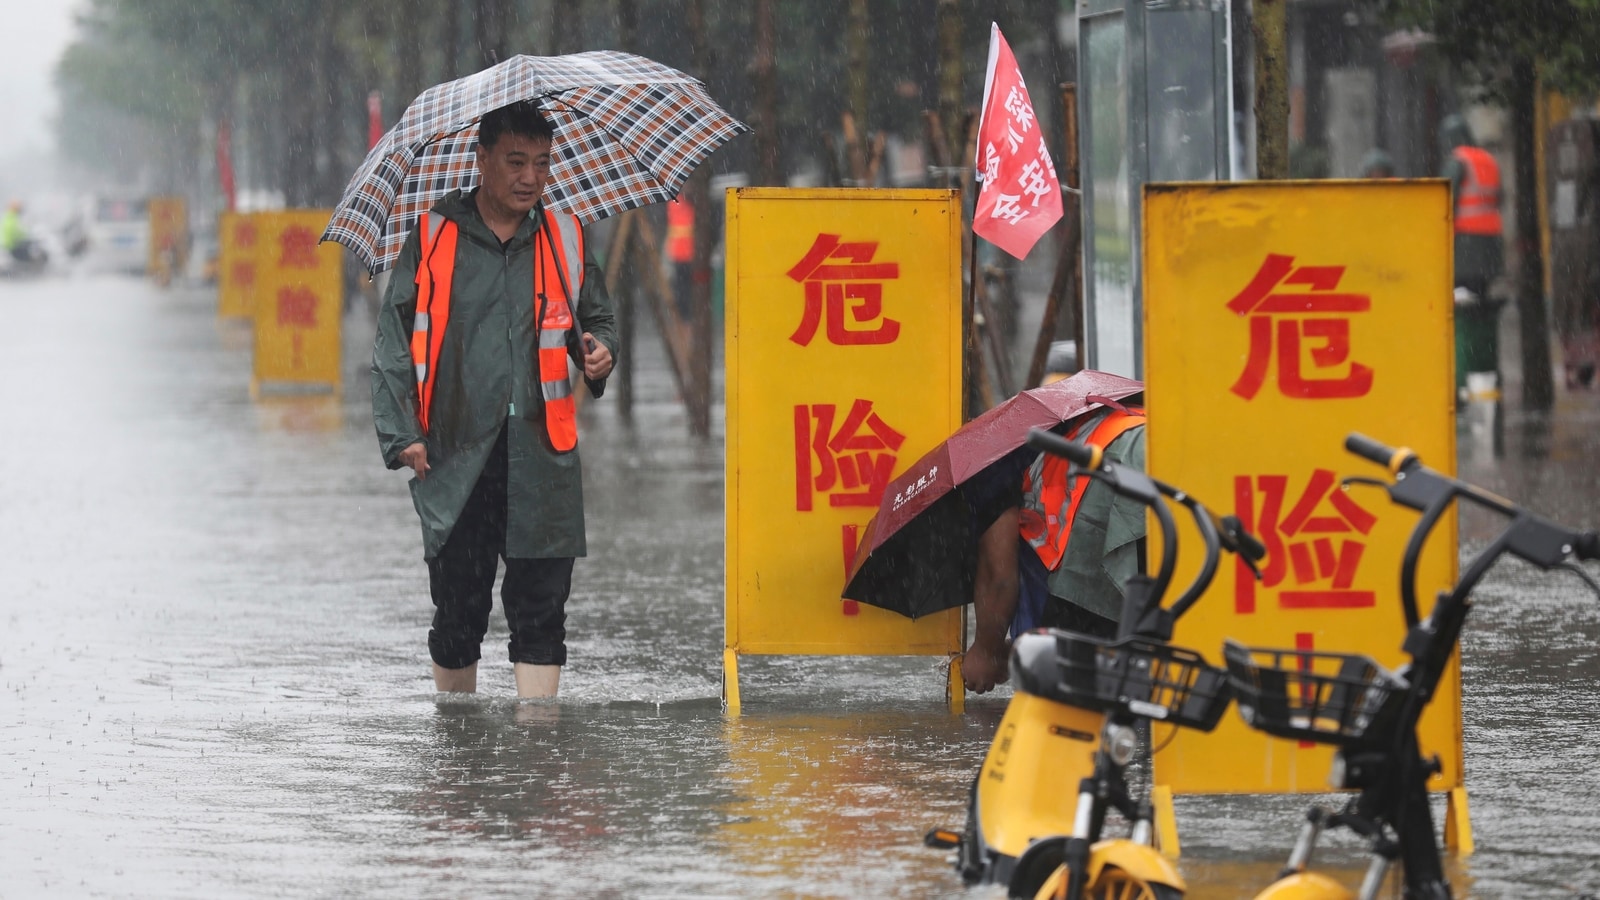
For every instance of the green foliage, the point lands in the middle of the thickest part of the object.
(1485, 37)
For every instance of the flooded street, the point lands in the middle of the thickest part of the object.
(216, 681)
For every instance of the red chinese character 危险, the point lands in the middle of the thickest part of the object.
(834, 272)
(244, 234)
(244, 273)
(1301, 542)
(1289, 318)
(297, 248)
(852, 462)
(297, 308)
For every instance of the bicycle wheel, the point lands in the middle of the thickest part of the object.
(1113, 884)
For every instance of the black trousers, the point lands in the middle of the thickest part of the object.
(461, 577)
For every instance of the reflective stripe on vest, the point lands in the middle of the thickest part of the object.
(564, 257)
(1050, 496)
(434, 275)
(1478, 197)
(557, 264)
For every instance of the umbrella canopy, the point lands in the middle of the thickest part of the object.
(918, 554)
(628, 132)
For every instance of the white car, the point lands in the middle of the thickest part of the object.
(118, 231)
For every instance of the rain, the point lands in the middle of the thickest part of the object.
(214, 610)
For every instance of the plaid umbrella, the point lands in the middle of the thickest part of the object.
(628, 131)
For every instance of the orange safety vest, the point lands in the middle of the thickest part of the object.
(1478, 197)
(1050, 497)
(680, 231)
(563, 256)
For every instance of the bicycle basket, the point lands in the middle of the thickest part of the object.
(1141, 678)
(1328, 698)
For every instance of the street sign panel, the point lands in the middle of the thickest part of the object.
(238, 241)
(843, 368)
(1279, 317)
(299, 301)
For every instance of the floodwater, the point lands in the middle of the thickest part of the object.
(212, 648)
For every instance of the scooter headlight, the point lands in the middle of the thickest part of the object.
(1120, 743)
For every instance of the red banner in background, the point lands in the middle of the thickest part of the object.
(1020, 196)
(374, 119)
(225, 163)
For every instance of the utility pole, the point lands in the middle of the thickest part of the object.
(764, 112)
(1269, 26)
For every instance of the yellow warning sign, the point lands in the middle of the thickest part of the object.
(843, 368)
(169, 237)
(1279, 317)
(298, 300)
(238, 239)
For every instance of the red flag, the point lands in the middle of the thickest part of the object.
(374, 119)
(225, 163)
(1020, 197)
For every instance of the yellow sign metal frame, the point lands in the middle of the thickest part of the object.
(841, 304)
(1279, 317)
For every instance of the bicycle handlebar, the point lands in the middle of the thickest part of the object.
(1382, 454)
(1529, 537)
(1079, 454)
(1587, 546)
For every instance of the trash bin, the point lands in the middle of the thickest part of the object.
(1477, 339)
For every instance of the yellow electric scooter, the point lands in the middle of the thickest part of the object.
(1037, 808)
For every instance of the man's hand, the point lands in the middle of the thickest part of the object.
(984, 666)
(415, 457)
(596, 358)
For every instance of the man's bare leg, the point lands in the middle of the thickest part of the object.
(456, 681)
(537, 681)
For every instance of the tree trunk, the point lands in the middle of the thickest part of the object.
(408, 51)
(764, 113)
(1269, 27)
(857, 61)
(626, 290)
(490, 27)
(1538, 384)
(948, 21)
(566, 31)
(450, 35)
(698, 190)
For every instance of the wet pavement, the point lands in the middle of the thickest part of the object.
(215, 679)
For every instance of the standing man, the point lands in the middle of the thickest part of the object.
(492, 295)
(1480, 252)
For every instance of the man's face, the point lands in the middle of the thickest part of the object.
(513, 172)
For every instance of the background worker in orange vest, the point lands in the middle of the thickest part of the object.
(493, 294)
(1480, 255)
(1098, 546)
(680, 251)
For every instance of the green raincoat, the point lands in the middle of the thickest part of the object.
(1103, 550)
(487, 379)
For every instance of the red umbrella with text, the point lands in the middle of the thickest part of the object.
(918, 554)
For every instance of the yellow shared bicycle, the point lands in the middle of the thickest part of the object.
(1371, 714)
(1037, 809)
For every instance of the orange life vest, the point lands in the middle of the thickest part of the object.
(1050, 498)
(1478, 197)
(680, 231)
(563, 257)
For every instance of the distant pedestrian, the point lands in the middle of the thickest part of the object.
(1480, 254)
(1377, 164)
(493, 294)
(1475, 186)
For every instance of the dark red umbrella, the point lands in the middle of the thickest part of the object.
(918, 555)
